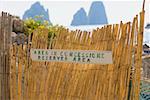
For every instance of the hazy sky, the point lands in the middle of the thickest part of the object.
(62, 11)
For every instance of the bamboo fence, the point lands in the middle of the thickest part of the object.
(31, 80)
(24, 79)
(5, 32)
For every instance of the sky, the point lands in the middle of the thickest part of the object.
(62, 11)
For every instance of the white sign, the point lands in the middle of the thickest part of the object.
(73, 56)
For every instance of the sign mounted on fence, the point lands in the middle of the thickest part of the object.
(73, 56)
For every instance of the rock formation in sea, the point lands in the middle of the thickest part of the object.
(96, 16)
(79, 18)
(37, 9)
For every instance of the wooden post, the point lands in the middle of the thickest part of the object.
(5, 30)
(143, 5)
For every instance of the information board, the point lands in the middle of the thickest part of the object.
(72, 56)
